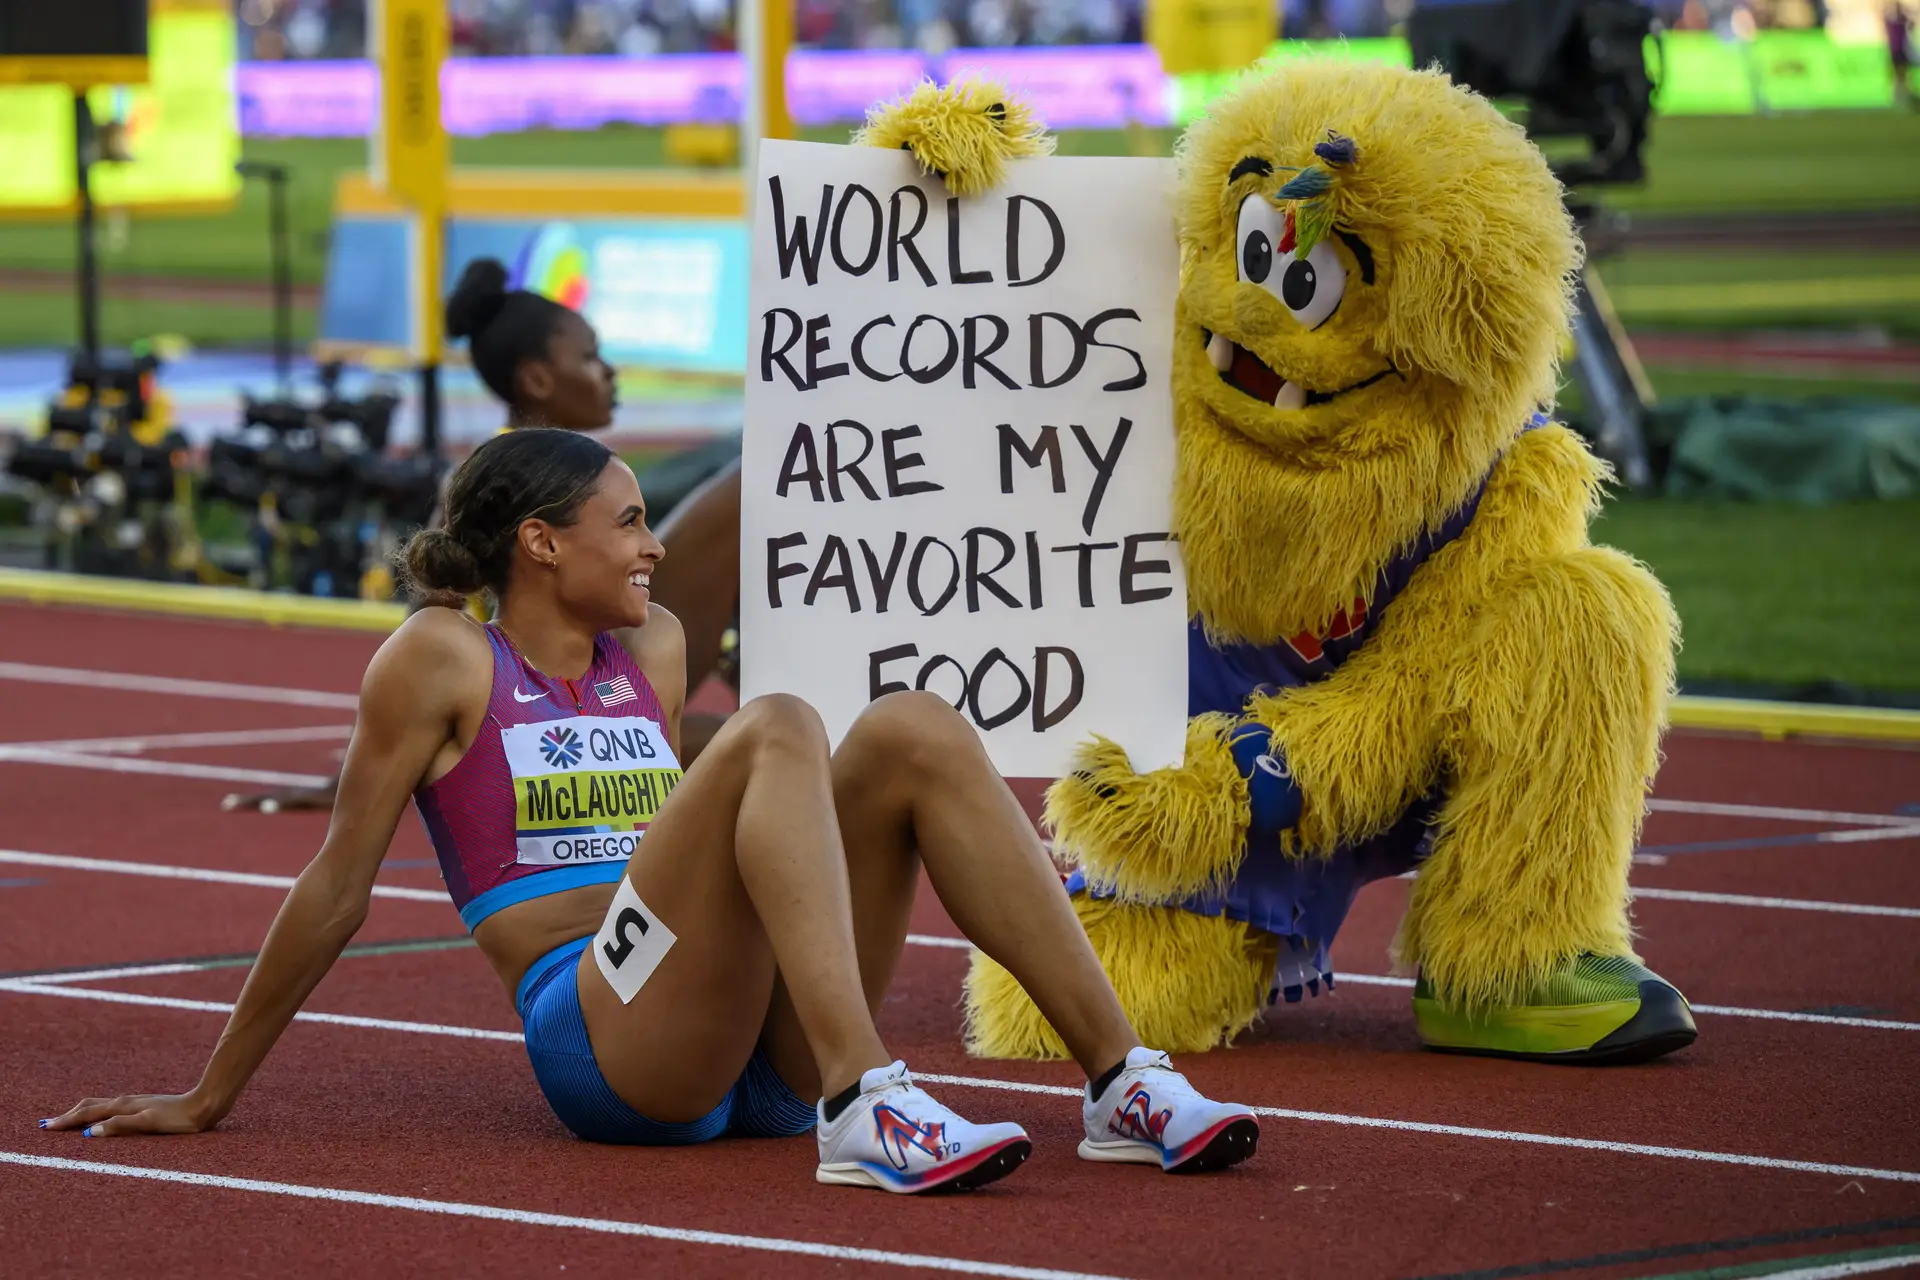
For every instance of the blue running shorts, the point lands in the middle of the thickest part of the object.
(760, 1105)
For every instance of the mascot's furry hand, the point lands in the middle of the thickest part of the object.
(1165, 834)
(1273, 798)
(964, 132)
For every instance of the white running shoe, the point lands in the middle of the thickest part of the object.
(895, 1137)
(1151, 1115)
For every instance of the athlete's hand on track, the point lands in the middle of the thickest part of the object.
(137, 1113)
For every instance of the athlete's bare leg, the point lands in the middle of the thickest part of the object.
(913, 785)
(745, 866)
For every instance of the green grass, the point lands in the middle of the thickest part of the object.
(42, 319)
(1832, 160)
(1824, 161)
(1814, 287)
(1780, 595)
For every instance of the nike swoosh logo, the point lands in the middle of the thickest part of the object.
(527, 697)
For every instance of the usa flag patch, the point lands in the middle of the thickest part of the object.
(615, 691)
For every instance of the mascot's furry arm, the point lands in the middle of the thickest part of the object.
(964, 133)
(1365, 743)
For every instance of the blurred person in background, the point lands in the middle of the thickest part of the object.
(1900, 50)
(542, 361)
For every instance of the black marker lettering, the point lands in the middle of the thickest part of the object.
(1054, 254)
(776, 570)
(978, 577)
(839, 223)
(834, 553)
(897, 241)
(1086, 550)
(1044, 718)
(955, 272)
(817, 346)
(1131, 566)
(883, 580)
(1045, 445)
(802, 443)
(837, 468)
(975, 357)
(790, 243)
(860, 360)
(898, 462)
(770, 357)
(878, 688)
(933, 372)
(1103, 467)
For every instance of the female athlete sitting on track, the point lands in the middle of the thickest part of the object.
(742, 949)
(542, 361)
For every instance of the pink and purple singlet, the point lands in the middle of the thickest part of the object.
(559, 784)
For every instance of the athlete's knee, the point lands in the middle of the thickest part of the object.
(913, 730)
(780, 722)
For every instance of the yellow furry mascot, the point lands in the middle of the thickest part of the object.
(1405, 653)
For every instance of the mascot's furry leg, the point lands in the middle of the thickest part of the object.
(1518, 921)
(1188, 982)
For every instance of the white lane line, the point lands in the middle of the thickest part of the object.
(1785, 904)
(1717, 1010)
(23, 987)
(160, 768)
(528, 1217)
(64, 862)
(1823, 1019)
(20, 986)
(1778, 814)
(39, 981)
(281, 882)
(1497, 1135)
(937, 940)
(123, 971)
(1836, 1270)
(32, 673)
(1868, 833)
(184, 741)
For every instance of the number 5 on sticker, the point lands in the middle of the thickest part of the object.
(631, 943)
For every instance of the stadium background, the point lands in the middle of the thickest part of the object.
(1771, 262)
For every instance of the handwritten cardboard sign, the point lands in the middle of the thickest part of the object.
(958, 459)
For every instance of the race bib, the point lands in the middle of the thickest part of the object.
(631, 943)
(586, 787)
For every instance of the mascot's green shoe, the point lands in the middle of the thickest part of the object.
(1597, 1009)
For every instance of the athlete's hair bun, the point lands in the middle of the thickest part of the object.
(435, 561)
(477, 299)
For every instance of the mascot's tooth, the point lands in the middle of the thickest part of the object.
(1291, 395)
(1220, 351)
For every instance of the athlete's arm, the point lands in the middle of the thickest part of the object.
(659, 649)
(411, 704)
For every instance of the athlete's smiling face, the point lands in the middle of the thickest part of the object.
(602, 563)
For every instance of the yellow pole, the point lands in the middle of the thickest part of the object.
(410, 150)
(776, 40)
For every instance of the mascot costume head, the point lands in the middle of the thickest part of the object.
(1405, 654)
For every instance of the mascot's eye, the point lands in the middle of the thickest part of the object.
(1309, 287)
(1260, 227)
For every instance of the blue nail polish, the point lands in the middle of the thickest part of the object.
(88, 1132)
(45, 1123)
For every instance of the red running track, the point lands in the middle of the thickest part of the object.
(416, 1142)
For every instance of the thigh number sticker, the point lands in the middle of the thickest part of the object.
(631, 943)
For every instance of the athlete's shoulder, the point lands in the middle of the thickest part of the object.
(436, 646)
(661, 637)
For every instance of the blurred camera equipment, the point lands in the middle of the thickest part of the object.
(325, 502)
(1579, 68)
